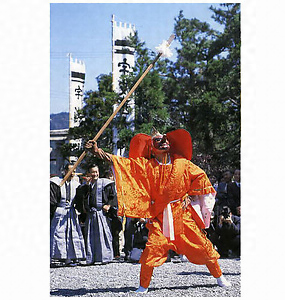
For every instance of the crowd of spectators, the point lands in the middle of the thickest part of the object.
(93, 204)
(224, 231)
(123, 238)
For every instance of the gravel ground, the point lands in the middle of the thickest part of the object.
(121, 279)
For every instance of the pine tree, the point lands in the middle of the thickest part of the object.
(203, 87)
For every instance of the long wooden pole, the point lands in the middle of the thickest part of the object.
(171, 38)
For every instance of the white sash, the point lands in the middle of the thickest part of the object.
(168, 226)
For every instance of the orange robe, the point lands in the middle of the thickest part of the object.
(144, 188)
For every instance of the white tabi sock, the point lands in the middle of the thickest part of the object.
(223, 282)
(142, 290)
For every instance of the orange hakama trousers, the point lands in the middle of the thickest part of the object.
(190, 241)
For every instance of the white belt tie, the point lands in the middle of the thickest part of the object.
(168, 226)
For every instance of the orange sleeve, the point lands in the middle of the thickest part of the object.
(199, 181)
(132, 184)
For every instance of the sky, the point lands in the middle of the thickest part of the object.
(84, 30)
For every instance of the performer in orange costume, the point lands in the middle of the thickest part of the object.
(156, 182)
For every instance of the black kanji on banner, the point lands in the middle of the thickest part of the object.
(124, 65)
(78, 92)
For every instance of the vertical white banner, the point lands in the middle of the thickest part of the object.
(76, 91)
(123, 61)
(76, 88)
(123, 55)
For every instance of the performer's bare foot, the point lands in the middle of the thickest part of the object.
(222, 282)
(142, 290)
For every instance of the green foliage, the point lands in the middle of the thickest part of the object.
(204, 87)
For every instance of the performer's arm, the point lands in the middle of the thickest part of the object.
(92, 147)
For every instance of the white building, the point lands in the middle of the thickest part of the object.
(57, 138)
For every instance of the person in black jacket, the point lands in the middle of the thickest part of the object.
(222, 191)
(228, 231)
(234, 193)
(54, 198)
(98, 200)
(116, 223)
(139, 238)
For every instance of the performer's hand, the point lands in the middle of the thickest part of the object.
(100, 153)
(90, 145)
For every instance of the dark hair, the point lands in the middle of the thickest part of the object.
(227, 171)
(92, 166)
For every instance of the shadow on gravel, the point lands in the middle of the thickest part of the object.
(231, 274)
(187, 287)
(196, 273)
(207, 273)
(83, 291)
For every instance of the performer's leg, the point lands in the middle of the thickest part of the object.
(145, 278)
(154, 255)
(145, 275)
(156, 249)
(199, 250)
(214, 268)
(196, 247)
